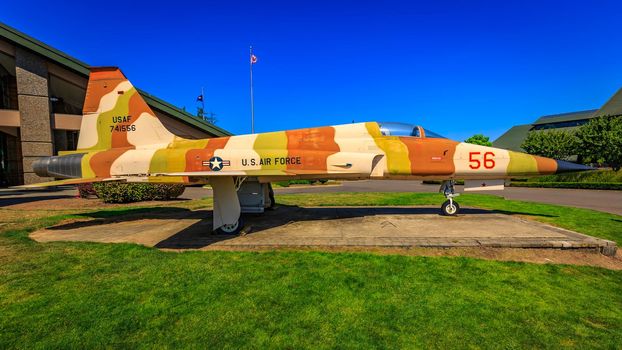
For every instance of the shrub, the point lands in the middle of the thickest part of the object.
(126, 192)
(600, 141)
(479, 139)
(86, 190)
(557, 144)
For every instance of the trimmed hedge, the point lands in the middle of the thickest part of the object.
(127, 192)
(438, 182)
(579, 185)
(553, 184)
(602, 176)
(287, 183)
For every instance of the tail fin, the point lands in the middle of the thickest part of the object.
(116, 116)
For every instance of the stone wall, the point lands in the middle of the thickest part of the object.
(34, 108)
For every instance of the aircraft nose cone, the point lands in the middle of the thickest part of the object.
(568, 167)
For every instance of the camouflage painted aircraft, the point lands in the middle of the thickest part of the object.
(121, 139)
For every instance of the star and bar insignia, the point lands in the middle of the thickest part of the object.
(216, 163)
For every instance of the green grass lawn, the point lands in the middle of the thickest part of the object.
(121, 295)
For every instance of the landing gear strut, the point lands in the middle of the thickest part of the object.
(450, 207)
(227, 208)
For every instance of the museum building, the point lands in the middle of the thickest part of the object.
(516, 135)
(41, 95)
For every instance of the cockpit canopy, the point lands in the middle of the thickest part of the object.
(404, 129)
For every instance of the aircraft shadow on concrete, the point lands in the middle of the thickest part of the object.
(199, 234)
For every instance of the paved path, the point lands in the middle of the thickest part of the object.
(607, 201)
(291, 226)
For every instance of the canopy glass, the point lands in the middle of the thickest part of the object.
(405, 129)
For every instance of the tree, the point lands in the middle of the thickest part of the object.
(556, 144)
(479, 139)
(600, 141)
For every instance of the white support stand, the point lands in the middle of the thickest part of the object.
(226, 204)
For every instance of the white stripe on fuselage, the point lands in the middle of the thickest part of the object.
(354, 138)
(237, 149)
(132, 162)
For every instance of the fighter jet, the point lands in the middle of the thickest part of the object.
(121, 139)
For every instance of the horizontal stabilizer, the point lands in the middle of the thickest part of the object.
(65, 182)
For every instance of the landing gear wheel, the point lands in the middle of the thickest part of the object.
(231, 229)
(450, 208)
(271, 197)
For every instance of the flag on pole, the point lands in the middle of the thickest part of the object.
(253, 60)
(200, 98)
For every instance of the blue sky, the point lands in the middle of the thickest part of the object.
(456, 67)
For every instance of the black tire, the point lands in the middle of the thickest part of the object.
(230, 229)
(271, 197)
(447, 210)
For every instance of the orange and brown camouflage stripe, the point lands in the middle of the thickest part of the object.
(310, 148)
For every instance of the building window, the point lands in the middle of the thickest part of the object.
(567, 124)
(4, 161)
(8, 82)
(65, 140)
(66, 97)
(10, 160)
(72, 140)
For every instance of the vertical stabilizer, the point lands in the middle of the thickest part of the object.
(116, 116)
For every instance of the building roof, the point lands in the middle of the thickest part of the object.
(82, 68)
(613, 107)
(565, 117)
(513, 138)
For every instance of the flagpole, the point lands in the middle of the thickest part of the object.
(203, 103)
(250, 61)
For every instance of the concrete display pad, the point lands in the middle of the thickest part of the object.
(178, 228)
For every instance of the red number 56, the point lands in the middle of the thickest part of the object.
(475, 163)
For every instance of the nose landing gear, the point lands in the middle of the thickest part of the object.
(449, 207)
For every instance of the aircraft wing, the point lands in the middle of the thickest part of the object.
(259, 172)
(181, 177)
(226, 173)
